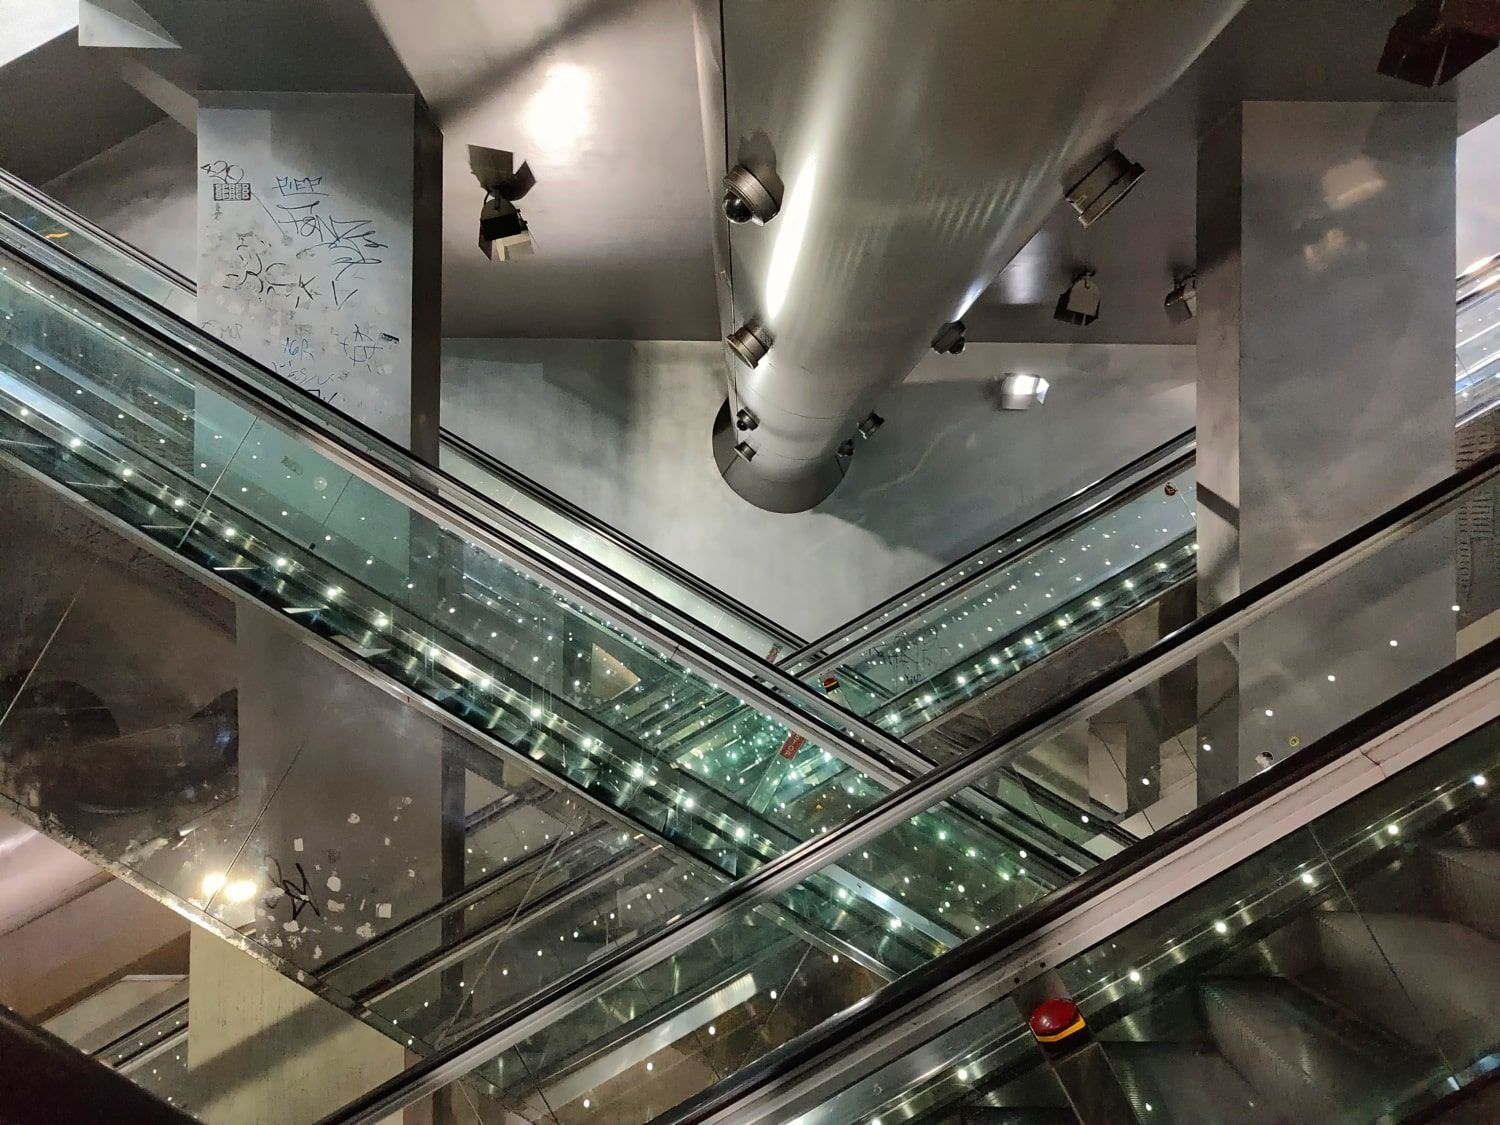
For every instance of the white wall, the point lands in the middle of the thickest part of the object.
(27, 24)
(142, 191)
(622, 428)
(1479, 193)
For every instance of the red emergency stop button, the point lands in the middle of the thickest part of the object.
(1052, 1021)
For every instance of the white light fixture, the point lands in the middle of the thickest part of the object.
(1021, 392)
(1079, 302)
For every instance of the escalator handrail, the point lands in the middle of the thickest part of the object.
(919, 988)
(46, 204)
(532, 489)
(435, 494)
(1035, 534)
(781, 874)
(544, 496)
(1171, 456)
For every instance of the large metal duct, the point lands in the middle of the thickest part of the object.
(915, 148)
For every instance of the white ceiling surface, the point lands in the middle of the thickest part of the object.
(37, 874)
(26, 24)
(1478, 194)
(600, 97)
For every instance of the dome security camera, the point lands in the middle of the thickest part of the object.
(747, 199)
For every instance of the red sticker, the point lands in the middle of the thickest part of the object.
(793, 743)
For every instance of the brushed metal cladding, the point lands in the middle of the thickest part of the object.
(918, 148)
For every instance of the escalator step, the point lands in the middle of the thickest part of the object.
(1467, 881)
(1289, 1049)
(1185, 1082)
(1434, 982)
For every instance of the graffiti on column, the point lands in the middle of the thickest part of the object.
(294, 277)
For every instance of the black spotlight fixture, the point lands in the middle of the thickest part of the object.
(749, 342)
(950, 339)
(503, 233)
(1103, 185)
(1182, 302)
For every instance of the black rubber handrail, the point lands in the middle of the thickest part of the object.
(917, 987)
(544, 496)
(784, 638)
(779, 875)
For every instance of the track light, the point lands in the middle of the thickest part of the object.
(750, 342)
(950, 339)
(868, 427)
(503, 233)
(1021, 392)
(747, 199)
(1182, 302)
(1103, 185)
(1079, 302)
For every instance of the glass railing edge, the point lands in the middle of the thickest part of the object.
(1424, 719)
(786, 871)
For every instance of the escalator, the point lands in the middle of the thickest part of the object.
(1336, 960)
(1372, 584)
(160, 473)
(118, 425)
(944, 665)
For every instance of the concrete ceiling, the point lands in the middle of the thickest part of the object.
(61, 107)
(600, 97)
(37, 874)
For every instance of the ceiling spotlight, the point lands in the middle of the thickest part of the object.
(503, 233)
(868, 427)
(750, 342)
(1079, 302)
(747, 199)
(1182, 302)
(950, 339)
(744, 420)
(744, 451)
(1020, 392)
(1103, 185)
(1438, 39)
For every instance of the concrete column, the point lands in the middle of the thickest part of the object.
(1325, 396)
(262, 1049)
(345, 788)
(319, 228)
